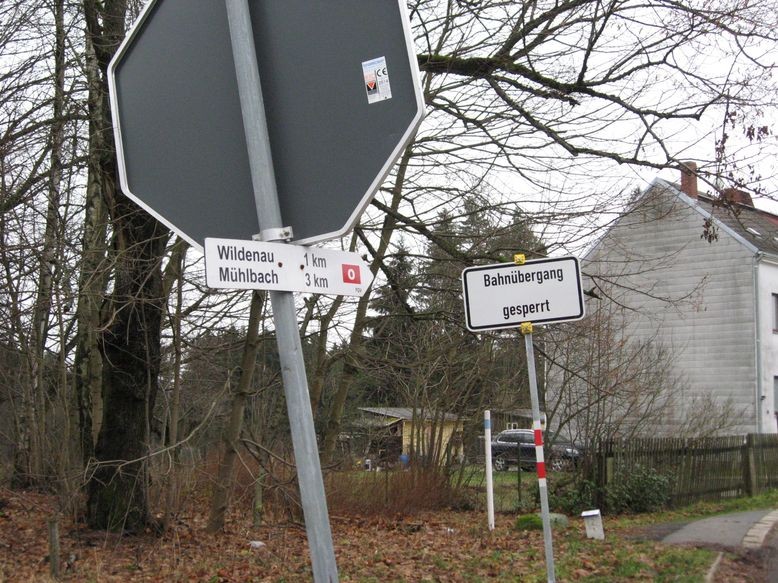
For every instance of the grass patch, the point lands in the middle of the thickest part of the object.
(674, 564)
(514, 491)
(529, 522)
(624, 559)
(700, 510)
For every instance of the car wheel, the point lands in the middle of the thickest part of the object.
(561, 464)
(499, 464)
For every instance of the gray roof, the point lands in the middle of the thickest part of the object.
(755, 227)
(758, 227)
(406, 413)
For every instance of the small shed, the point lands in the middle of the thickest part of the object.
(431, 435)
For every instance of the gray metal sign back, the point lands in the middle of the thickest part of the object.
(182, 148)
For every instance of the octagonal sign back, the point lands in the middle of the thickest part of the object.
(342, 100)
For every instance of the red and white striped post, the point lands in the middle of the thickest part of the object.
(526, 330)
(540, 460)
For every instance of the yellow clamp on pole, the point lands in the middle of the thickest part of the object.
(526, 327)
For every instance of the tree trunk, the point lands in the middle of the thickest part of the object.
(19, 378)
(131, 363)
(175, 271)
(29, 464)
(351, 366)
(93, 275)
(51, 238)
(322, 361)
(221, 491)
(130, 342)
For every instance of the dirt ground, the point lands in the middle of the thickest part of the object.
(442, 546)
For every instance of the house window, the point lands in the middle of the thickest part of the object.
(775, 313)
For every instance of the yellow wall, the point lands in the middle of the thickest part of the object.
(409, 433)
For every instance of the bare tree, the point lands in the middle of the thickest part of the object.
(543, 92)
(130, 342)
(232, 433)
(602, 385)
(39, 165)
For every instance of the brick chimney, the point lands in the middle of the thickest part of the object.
(736, 196)
(689, 179)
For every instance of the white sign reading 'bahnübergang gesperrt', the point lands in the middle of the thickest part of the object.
(505, 295)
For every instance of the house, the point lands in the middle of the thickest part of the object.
(392, 431)
(691, 279)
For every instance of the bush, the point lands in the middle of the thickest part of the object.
(529, 522)
(574, 497)
(392, 492)
(642, 490)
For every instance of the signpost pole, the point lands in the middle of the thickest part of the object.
(526, 330)
(284, 314)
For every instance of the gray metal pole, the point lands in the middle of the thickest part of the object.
(536, 425)
(298, 403)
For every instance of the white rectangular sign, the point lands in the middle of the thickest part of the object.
(506, 295)
(240, 264)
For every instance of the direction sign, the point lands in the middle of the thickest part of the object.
(505, 295)
(238, 264)
(342, 99)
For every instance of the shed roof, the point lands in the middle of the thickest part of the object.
(407, 413)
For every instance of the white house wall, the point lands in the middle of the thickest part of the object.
(695, 296)
(768, 285)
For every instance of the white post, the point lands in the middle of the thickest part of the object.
(488, 456)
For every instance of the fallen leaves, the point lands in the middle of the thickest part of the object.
(430, 546)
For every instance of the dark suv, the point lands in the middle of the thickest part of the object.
(517, 447)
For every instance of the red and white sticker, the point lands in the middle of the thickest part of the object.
(351, 274)
(376, 77)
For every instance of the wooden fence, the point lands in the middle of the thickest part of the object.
(699, 469)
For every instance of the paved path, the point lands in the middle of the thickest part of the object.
(746, 529)
(752, 530)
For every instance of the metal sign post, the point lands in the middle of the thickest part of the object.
(344, 99)
(298, 404)
(540, 462)
(510, 295)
